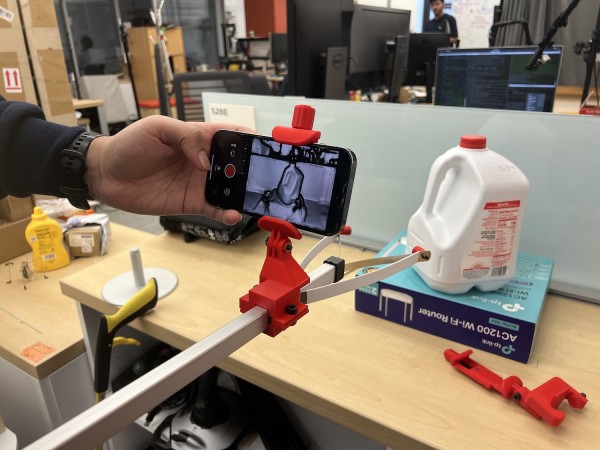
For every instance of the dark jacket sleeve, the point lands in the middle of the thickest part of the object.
(29, 150)
(453, 26)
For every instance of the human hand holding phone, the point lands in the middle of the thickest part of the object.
(309, 186)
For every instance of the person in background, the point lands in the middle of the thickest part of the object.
(91, 60)
(155, 166)
(441, 22)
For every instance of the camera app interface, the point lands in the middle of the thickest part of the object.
(289, 182)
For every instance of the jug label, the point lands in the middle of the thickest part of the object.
(491, 247)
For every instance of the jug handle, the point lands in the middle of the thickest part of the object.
(432, 188)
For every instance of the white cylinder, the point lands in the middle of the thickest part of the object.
(137, 267)
(470, 219)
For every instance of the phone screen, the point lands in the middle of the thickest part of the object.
(308, 186)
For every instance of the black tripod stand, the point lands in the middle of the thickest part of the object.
(561, 21)
(589, 51)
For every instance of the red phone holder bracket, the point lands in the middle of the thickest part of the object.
(541, 402)
(301, 132)
(281, 279)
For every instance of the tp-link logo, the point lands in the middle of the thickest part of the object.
(508, 349)
(512, 308)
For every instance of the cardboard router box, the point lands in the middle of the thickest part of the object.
(12, 239)
(84, 241)
(15, 208)
(503, 322)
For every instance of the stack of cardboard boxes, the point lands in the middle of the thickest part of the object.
(33, 70)
(32, 62)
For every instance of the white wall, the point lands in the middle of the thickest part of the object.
(416, 15)
(474, 19)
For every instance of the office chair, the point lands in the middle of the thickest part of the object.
(259, 85)
(189, 86)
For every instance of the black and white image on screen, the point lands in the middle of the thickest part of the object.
(294, 183)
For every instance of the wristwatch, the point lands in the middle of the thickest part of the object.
(72, 169)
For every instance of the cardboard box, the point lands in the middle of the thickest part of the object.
(84, 241)
(141, 49)
(16, 80)
(48, 60)
(503, 322)
(15, 208)
(29, 33)
(12, 239)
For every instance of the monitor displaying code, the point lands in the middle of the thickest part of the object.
(497, 78)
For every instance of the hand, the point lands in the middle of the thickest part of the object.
(156, 166)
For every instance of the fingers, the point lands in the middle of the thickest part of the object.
(228, 126)
(203, 159)
(226, 216)
(231, 217)
(208, 130)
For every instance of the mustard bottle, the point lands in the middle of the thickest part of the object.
(44, 236)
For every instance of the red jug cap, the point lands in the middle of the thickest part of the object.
(473, 142)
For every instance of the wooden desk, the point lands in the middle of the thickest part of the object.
(98, 105)
(275, 78)
(83, 103)
(41, 345)
(568, 99)
(378, 378)
(41, 314)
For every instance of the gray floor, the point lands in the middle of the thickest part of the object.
(149, 224)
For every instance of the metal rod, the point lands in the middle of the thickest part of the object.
(108, 417)
(561, 21)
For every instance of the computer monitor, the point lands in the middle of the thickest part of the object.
(372, 46)
(373, 31)
(497, 78)
(313, 26)
(422, 53)
(397, 68)
(279, 48)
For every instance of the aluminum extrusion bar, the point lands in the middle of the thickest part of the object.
(105, 419)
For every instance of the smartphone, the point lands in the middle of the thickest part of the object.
(309, 185)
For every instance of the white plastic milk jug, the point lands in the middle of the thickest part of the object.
(470, 219)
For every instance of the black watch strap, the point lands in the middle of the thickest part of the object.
(72, 169)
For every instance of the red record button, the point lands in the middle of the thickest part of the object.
(229, 170)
